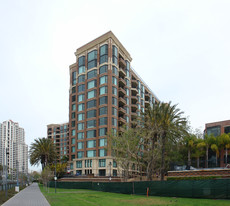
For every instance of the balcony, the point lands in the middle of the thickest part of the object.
(121, 121)
(134, 83)
(122, 63)
(147, 97)
(147, 104)
(134, 107)
(121, 129)
(134, 99)
(122, 73)
(134, 91)
(121, 110)
(122, 102)
(122, 92)
(122, 82)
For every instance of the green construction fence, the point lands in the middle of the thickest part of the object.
(212, 189)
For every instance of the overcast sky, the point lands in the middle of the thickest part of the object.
(180, 49)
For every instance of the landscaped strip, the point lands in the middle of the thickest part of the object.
(89, 197)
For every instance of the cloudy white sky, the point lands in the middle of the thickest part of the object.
(180, 48)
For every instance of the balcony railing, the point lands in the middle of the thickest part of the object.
(122, 62)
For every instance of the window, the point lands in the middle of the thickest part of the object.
(213, 130)
(104, 53)
(114, 122)
(91, 123)
(92, 59)
(79, 164)
(114, 101)
(80, 135)
(81, 61)
(73, 107)
(73, 98)
(127, 100)
(71, 166)
(80, 145)
(73, 115)
(73, 124)
(114, 80)
(73, 89)
(74, 78)
(81, 97)
(92, 94)
(91, 153)
(88, 163)
(73, 149)
(81, 70)
(114, 111)
(91, 113)
(102, 131)
(115, 54)
(227, 129)
(103, 79)
(73, 132)
(103, 69)
(102, 111)
(91, 134)
(114, 163)
(81, 88)
(81, 107)
(127, 82)
(103, 90)
(80, 154)
(114, 131)
(81, 116)
(92, 74)
(102, 163)
(114, 91)
(72, 157)
(102, 142)
(91, 144)
(80, 126)
(127, 91)
(102, 152)
(103, 121)
(127, 68)
(103, 100)
(92, 103)
(92, 84)
(115, 70)
(81, 79)
(73, 141)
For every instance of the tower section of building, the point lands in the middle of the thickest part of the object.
(105, 95)
(59, 133)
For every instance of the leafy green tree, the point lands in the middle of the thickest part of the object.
(190, 144)
(208, 140)
(224, 143)
(215, 148)
(42, 151)
(199, 150)
(60, 169)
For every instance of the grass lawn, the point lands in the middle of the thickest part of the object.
(82, 197)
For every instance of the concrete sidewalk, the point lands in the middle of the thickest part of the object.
(29, 196)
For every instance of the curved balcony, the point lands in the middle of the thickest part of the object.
(122, 82)
(122, 102)
(134, 99)
(122, 72)
(122, 63)
(122, 92)
(134, 83)
(121, 110)
(134, 91)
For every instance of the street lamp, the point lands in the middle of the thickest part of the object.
(55, 178)
(110, 165)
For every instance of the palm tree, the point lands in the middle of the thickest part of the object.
(215, 148)
(208, 140)
(165, 121)
(224, 143)
(42, 151)
(189, 143)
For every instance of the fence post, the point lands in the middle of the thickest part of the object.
(133, 189)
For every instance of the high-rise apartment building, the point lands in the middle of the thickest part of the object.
(59, 133)
(105, 94)
(13, 149)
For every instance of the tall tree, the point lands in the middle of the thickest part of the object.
(166, 122)
(224, 143)
(189, 143)
(208, 140)
(42, 151)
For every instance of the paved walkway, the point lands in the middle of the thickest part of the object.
(29, 196)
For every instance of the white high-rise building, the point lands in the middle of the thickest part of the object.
(12, 138)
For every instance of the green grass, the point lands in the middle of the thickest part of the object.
(82, 197)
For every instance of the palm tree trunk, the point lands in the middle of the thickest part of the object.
(226, 156)
(206, 162)
(198, 162)
(189, 157)
(216, 160)
(163, 157)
